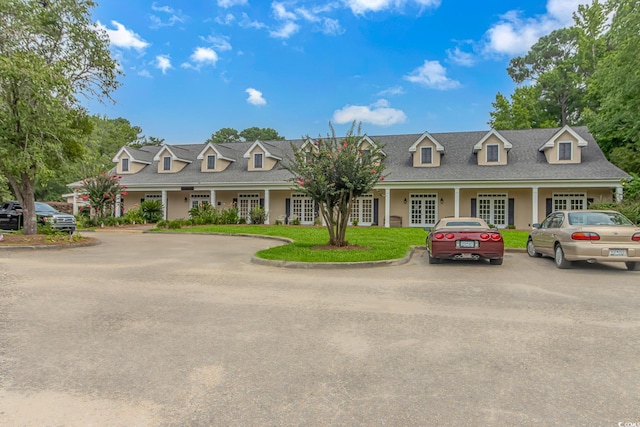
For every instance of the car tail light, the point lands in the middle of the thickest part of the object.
(636, 237)
(496, 237)
(484, 236)
(449, 236)
(583, 235)
(439, 236)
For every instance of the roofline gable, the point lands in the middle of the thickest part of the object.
(371, 142)
(212, 146)
(478, 146)
(173, 155)
(566, 128)
(266, 152)
(133, 159)
(425, 135)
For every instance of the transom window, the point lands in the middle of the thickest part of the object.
(211, 161)
(564, 150)
(569, 201)
(166, 163)
(426, 157)
(199, 199)
(492, 153)
(125, 165)
(257, 160)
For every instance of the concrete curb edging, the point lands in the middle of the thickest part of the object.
(92, 242)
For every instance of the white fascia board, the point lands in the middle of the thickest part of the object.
(371, 142)
(424, 136)
(220, 156)
(173, 155)
(551, 142)
(266, 152)
(124, 150)
(505, 142)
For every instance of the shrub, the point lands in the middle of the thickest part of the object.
(163, 223)
(257, 215)
(628, 208)
(152, 210)
(174, 224)
(134, 216)
(229, 216)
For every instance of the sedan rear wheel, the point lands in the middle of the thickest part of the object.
(561, 261)
(531, 249)
(632, 265)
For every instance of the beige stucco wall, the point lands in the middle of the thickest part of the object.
(134, 167)
(221, 164)
(267, 162)
(576, 152)
(502, 152)
(176, 165)
(417, 155)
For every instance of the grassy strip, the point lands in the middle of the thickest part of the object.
(380, 243)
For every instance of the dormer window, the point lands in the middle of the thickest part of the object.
(492, 153)
(257, 160)
(564, 150)
(166, 163)
(426, 155)
(211, 162)
(125, 165)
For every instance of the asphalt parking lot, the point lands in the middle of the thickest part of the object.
(173, 330)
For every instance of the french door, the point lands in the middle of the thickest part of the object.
(423, 210)
(493, 209)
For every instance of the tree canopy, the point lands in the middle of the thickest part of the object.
(230, 135)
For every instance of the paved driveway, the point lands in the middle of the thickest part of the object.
(172, 330)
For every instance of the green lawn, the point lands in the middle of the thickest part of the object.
(381, 243)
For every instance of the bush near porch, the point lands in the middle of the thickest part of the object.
(381, 243)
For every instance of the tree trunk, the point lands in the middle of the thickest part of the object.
(25, 193)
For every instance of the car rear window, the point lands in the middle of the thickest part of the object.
(598, 218)
(463, 224)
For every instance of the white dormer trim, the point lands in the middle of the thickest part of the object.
(507, 145)
(309, 141)
(164, 148)
(426, 135)
(551, 142)
(218, 154)
(266, 152)
(370, 141)
(116, 158)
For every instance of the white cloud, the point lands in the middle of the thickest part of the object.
(246, 22)
(220, 43)
(201, 56)
(122, 37)
(513, 35)
(378, 113)
(229, 3)
(392, 91)
(228, 19)
(145, 73)
(163, 62)
(360, 7)
(255, 97)
(281, 13)
(286, 31)
(331, 27)
(174, 16)
(432, 75)
(459, 57)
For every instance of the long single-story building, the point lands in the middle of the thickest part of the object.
(507, 177)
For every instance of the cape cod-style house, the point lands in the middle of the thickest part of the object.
(507, 177)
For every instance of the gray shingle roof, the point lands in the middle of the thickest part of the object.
(459, 163)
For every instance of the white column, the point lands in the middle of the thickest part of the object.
(75, 201)
(118, 203)
(456, 201)
(164, 204)
(214, 203)
(534, 205)
(619, 193)
(266, 205)
(387, 207)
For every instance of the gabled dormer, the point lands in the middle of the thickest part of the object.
(169, 161)
(366, 143)
(492, 149)
(215, 158)
(564, 147)
(426, 151)
(129, 160)
(261, 157)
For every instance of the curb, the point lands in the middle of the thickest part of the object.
(92, 242)
(334, 265)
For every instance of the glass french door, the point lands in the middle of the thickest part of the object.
(493, 209)
(302, 208)
(423, 210)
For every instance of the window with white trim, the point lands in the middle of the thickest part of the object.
(564, 150)
(125, 165)
(302, 208)
(166, 163)
(426, 155)
(492, 153)
(246, 202)
(200, 199)
(493, 209)
(569, 201)
(152, 197)
(362, 210)
(211, 161)
(257, 160)
(423, 209)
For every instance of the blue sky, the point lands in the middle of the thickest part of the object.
(397, 66)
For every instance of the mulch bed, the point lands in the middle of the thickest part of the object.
(12, 239)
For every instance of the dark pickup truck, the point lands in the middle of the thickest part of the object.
(11, 217)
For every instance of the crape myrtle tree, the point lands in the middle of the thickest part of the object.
(333, 172)
(50, 52)
(102, 191)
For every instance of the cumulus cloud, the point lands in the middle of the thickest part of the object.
(255, 97)
(286, 31)
(514, 35)
(163, 62)
(378, 113)
(432, 75)
(204, 55)
(460, 57)
(230, 3)
(281, 13)
(360, 7)
(122, 37)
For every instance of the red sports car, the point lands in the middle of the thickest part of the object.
(464, 238)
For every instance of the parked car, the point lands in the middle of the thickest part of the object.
(11, 217)
(586, 235)
(464, 238)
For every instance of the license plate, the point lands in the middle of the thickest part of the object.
(617, 252)
(466, 243)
